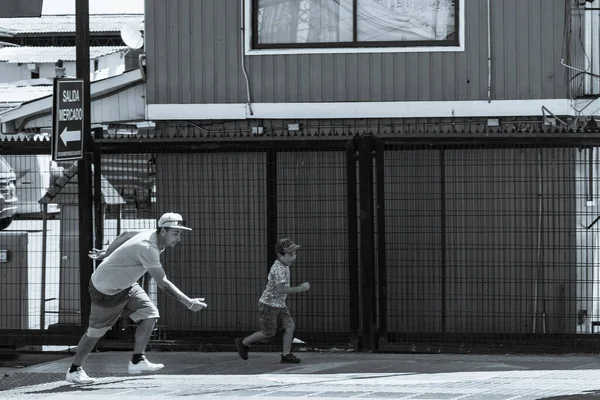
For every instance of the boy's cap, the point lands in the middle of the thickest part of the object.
(172, 220)
(285, 246)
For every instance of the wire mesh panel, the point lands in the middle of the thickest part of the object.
(312, 210)
(30, 239)
(222, 196)
(484, 240)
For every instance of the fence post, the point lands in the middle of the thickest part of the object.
(381, 255)
(367, 239)
(353, 265)
(272, 231)
(84, 165)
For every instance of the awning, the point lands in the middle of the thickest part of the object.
(119, 98)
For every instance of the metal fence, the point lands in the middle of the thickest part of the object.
(409, 245)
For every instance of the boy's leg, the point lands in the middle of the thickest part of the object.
(268, 328)
(288, 337)
(255, 337)
(287, 323)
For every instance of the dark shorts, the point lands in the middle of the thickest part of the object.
(106, 310)
(273, 319)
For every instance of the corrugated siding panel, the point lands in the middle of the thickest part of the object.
(127, 105)
(194, 51)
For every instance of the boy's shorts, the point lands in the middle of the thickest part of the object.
(106, 310)
(273, 319)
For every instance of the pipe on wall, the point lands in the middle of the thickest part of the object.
(489, 49)
(243, 55)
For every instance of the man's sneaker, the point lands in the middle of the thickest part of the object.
(242, 349)
(144, 366)
(289, 359)
(79, 376)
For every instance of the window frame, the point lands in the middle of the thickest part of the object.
(253, 47)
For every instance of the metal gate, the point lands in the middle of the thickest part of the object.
(409, 244)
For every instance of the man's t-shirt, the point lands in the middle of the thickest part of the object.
(128, 263)
(279, 273)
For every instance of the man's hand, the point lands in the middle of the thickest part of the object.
(305, 286)
(197, 304)
(97, 254)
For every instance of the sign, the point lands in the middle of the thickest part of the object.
(68, 124)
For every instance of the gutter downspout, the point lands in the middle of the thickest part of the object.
(489, 49)
(243, 55)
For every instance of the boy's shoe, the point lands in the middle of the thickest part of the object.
(289, 359)
(144, 366)
(79, 376)
(242, 349)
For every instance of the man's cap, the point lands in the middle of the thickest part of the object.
(285, 245)
(172, 220)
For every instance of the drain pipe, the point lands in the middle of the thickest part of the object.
(243, 55)
(489, 49)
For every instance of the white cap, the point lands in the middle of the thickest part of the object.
(172, 220)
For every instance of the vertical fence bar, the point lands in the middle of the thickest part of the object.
(98, 216)
(352, 199)
(82, 25)
(381, 255)
(272, 231)
(44, 255)
(443, 238)
(367, 248)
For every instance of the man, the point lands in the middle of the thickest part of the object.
(114, 288)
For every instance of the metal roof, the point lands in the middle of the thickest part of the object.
(21, 94)
(66, 23)
(26, 54)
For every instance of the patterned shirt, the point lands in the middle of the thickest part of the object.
(279, 273)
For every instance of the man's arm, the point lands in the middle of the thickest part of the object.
(103, 253)
(170, 289)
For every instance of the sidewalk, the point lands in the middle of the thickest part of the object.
(326, 375)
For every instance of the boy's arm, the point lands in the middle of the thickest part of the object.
(281, 288)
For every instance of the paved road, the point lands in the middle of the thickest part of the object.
(327, 375)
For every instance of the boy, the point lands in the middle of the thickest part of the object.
(274, 314)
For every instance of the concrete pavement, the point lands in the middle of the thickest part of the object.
(321, 375)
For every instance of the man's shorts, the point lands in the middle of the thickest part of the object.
(106, 310)
(273, 319)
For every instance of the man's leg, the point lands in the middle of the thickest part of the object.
(142, 335)
(86, 344)
(145, 313)
(84, 348)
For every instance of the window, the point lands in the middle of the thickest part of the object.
(354, 24)
(592, 54)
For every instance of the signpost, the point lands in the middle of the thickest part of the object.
(68, 120)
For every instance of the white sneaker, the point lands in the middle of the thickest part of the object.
(79, 376)
(144, 366)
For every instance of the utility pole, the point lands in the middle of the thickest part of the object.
(84, 171)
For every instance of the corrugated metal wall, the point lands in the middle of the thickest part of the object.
(193, 50)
